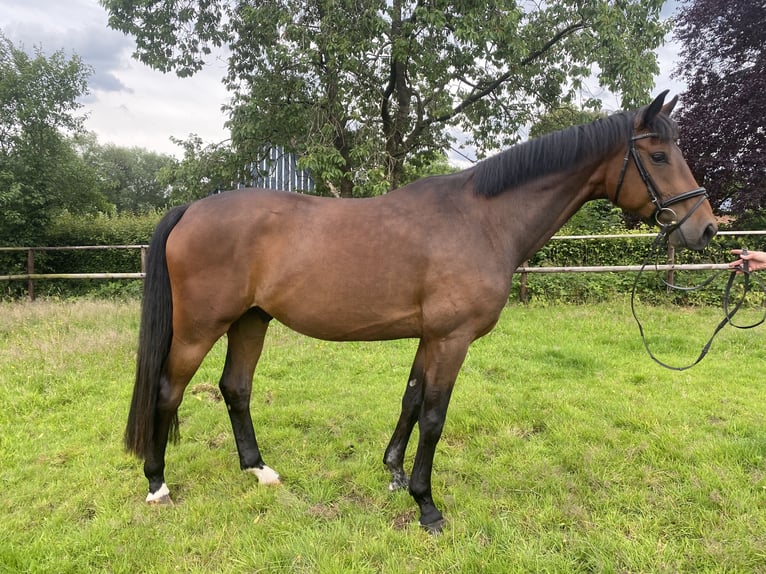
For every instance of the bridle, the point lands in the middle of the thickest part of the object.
(668, 221)
(665, 217)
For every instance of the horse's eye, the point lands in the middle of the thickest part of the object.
(659, 157)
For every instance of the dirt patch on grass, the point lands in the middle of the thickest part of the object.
(207, 392)
(324, 511)
(403, 520)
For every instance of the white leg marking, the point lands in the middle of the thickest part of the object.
(161, 493)
(265, 475)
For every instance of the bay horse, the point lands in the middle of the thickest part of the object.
(432, 260)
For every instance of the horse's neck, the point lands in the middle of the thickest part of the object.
(535, 211)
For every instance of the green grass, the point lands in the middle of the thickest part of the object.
(565, 450)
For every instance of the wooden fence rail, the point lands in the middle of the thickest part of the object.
(30, 276)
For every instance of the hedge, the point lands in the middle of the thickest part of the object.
(69, 230)
(595, 287)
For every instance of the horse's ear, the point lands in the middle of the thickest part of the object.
(651, 111)
(667, 108)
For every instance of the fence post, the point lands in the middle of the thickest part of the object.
(671, 273)
(30, 271)
(523, 284)
(143, 258)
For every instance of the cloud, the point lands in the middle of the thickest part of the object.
(45, 27)
(129, 104)
(106, 52)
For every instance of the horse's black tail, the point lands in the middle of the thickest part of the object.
(154, 338)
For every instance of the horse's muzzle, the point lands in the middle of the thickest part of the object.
(684, 238)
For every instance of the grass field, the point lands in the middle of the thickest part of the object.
(565, 450)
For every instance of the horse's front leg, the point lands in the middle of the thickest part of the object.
(411, 403)
(443, 360)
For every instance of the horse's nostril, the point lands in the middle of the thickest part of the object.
(709, 232)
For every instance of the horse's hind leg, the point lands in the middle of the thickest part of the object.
(183, 360)
(246, 338)
(411, 403)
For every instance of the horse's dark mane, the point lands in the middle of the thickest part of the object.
(561, 150)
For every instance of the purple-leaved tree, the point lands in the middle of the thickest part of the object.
(723, 115)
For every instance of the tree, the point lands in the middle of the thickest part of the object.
(722, 121)
(129, 178)
(562, 118)
(202, 171)
(358, 88)
(40, 175)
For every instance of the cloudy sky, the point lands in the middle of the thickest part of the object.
(129, 104)
(133, 105)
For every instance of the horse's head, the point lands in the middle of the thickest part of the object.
(654, 181)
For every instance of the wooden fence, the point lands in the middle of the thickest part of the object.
(30, 276)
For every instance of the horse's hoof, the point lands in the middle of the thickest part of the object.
(265, 475)
(398, 482)
(434, 528)
(432, 520)
(161, 497)
(161, 501)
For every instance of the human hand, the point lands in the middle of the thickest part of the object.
(756, 260)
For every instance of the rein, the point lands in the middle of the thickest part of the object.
(728, 311)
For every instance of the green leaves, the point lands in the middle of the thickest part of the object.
(203, 170)
(171, 35)
(38, 103)
(127, 177)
